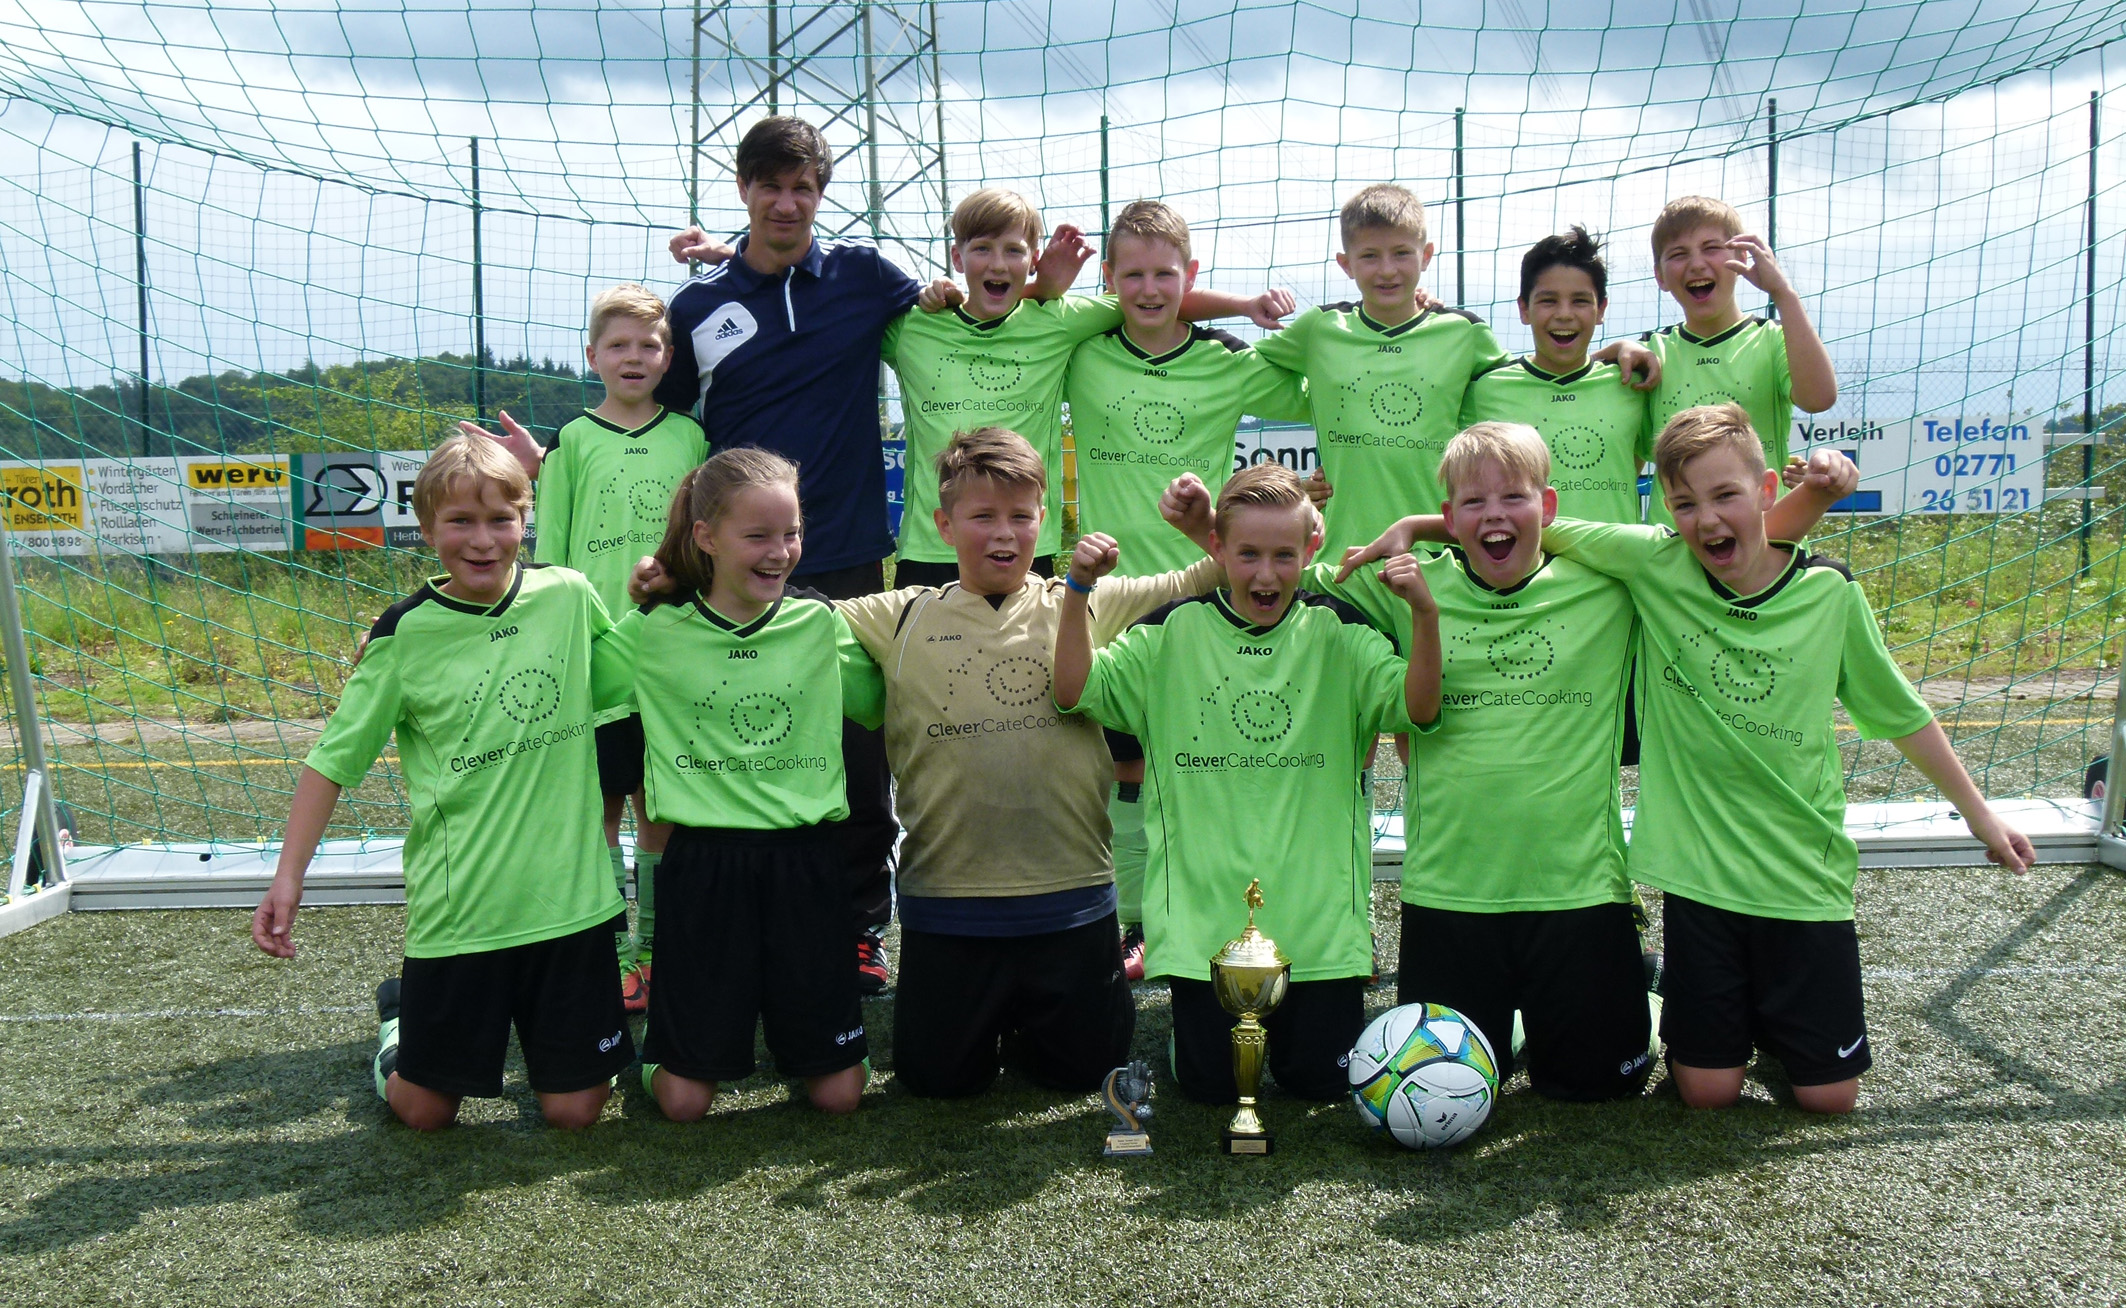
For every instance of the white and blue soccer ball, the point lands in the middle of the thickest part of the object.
(1424, 1074)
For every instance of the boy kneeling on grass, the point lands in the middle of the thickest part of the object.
(1746, 644)
(1257, 706)
(485, 675)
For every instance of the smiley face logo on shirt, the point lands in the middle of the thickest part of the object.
(650, 500)
(1397, 404)
(761, 719)
(1521, 655)
(1018, 682)
(1578, 448)
(991, 373)
(529, 695)
(1160, 423)
(1262, 716)
(1745, 676)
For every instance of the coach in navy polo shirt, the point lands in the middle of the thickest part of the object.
(778, 347)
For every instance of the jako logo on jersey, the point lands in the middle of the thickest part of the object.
(929, 639)
(610, 1043)
(1564, 399)
(844, 1037)
(1713, 362)
(636, 449)
(720, 333)
(1155, 372)
(745, 654)
(1743, 614)
(1390, 349)
(1259, 651)
(494, 636)
(1505, 604)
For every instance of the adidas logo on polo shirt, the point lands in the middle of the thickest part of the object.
(728, 330)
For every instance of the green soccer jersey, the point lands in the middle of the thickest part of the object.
(1385, 402)
(1594, 425)
(1531, 707)
(492, 706)
(1745, 364)
(1253, 740)
(1140, 420)
(604, 492)
(959, 372)
(742, 722)
(1741, 797)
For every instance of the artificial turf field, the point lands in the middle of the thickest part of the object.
(183, 1120)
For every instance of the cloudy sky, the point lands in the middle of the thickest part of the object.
(309, 180)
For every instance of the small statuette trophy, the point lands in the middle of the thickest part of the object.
(1250, 975)
(1127, 1093)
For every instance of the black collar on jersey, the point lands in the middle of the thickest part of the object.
(1685, 333)
(987, 324)
(701, 606)
(1195, 335)
(1481, 584)
(1399, 328)
(1794, 564)
(662, 414)
(736, 267)
(1222, 601)
(1562, 379)
(495, 610)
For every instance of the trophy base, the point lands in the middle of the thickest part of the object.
(1239, 1145)
(1128, 1144)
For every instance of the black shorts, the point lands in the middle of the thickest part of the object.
(620, 747)
(1310, 1036)
(1054, 1006)
(911, 572)
(1575, 974)
(563, 996)
(1737, 981)
(753, 928)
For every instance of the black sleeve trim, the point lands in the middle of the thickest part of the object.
(1157, 617)
(1464, 313)
(1341, 608)
(1227, 339)
(1823, 561)
(906, 610)
(1342, 306)
(1506, 363)
(792, 589)
(388, 624)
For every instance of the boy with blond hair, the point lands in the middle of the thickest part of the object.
(486, 676)
(1257, 705)
(1719, 355)
(603, 491)
(989, 354)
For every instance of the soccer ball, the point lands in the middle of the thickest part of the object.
(1424, 1074)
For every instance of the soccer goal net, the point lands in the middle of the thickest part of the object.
(257, 261)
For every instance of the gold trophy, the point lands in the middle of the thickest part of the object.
(1249, 975)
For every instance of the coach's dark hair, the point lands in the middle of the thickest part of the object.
(1573, 248)
(705, 495)
(774, 146)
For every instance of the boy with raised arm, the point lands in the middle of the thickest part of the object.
(991, 355)
(485, 675)
(1257, 706)
(1746, 644)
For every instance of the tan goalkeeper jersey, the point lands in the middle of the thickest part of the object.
(1001, 794)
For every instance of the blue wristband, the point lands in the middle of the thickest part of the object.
(1072, 582)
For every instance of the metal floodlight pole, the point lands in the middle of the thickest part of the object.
(1103, 182)
(479, 299)
(1771, 183)
(1461, 192)
(694, 135)
(140, 286)
(774, 76)
(27, 726)
(874, 199)
(2089, 436)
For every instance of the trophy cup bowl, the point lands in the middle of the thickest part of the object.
(1249, 976)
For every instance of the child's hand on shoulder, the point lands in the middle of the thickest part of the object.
(1269, 309)
(940, 295)
(649, 581)
(696, 246)
(1404, 575)
(1319, 491)
(1637, 366)
(1757, 266)
(1065, 255)
(1096, 556)
(1825, 470)
(514, 438)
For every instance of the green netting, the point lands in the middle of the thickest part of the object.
(307, 207)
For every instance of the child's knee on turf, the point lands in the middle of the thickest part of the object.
(1707, 1087)
(419, 1107)
(837, 1092)
(681, 1098)
(1837, 1097)
(576, 1109)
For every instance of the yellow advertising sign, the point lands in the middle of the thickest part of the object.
(250, 474)
(44, 497)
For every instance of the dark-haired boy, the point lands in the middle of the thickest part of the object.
(1594, 426)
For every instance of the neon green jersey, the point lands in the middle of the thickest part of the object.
(492, 707)
(1140, 420)
(603, 493)
(1385, 400)
(1532, 684)
(1745, 364)
(1593, 423)
(742, 722)
(1253, 740)
(1741, 796)
(959, 372)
